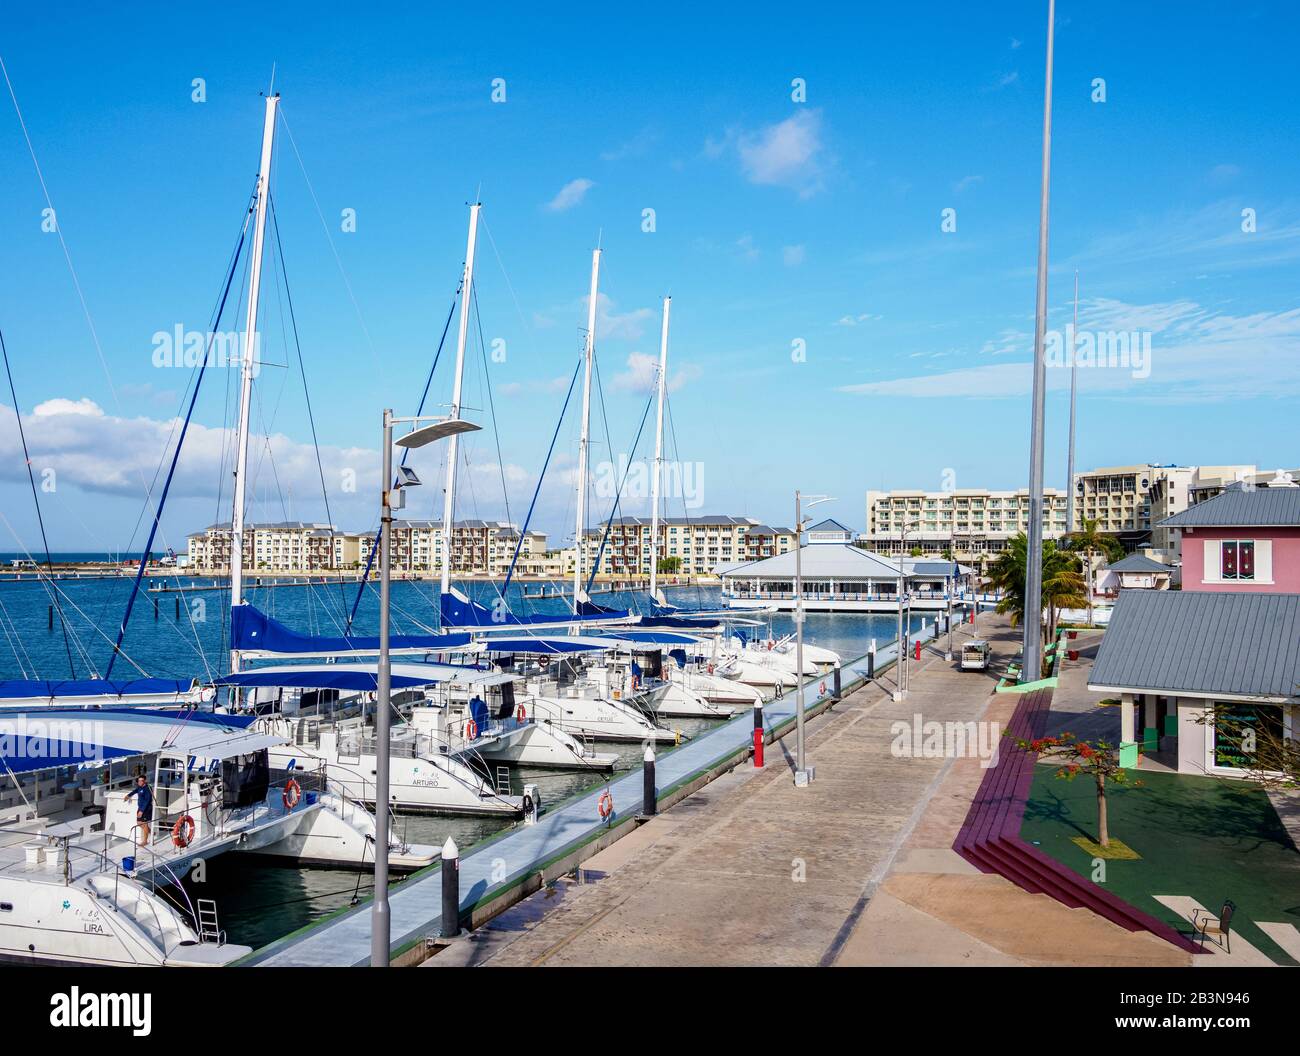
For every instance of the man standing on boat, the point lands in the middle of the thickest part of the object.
(143, 807)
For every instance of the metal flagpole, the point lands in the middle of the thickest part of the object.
(1032, 666)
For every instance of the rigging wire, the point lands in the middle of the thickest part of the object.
(176, 454)
(36, 499)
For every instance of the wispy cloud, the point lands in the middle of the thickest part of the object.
(965, 183)
(854, 320)
(788, 153)
(636, 147)
(1197, 355)
(792, 256)
(642, 374)
(571, 194)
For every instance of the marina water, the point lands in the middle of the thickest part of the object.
(259, 902)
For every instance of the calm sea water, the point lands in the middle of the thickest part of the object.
(186, 636)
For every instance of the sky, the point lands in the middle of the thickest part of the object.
(844, 212)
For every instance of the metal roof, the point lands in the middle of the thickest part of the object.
(1139, 563)
(1235, 507)
(1201, 642)
(819, 559)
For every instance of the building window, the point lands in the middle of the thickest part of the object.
(1238, 559)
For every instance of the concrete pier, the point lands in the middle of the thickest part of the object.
(855, 869)
(500, 872)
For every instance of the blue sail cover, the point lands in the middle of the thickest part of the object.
(251, 629)
(18, 688)
(589, 610)
(43, 740)
(458, 611)
(546, 646)
(648, 637)
(336, 676)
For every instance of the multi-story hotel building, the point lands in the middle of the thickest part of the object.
(1123, 499)
(477, 548)
(973, 523)
(280, 546)
(701, 543)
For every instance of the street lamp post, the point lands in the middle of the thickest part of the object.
(802, 774)
(392, 498)
(900, 676)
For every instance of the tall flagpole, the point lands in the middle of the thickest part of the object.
(1074, 388)
(659, 454)
(453, 447)
(248, 365)
(583, 442)
(1031, 669)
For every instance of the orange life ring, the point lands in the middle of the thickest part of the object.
(292, 794)
(183, 831)
(521, 714)
(605, 806)
(471, 730)
(710, 669)
(822, 689)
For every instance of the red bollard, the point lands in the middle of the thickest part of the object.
(758, 736)
(918, 649)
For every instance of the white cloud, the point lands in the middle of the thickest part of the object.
(93, 451)
(792, 256)
(571, 194)
(642, 374)
(784, 154)
(611, 323)
(1197, 355)
(965, 183)
(854, 320)
(635, 147)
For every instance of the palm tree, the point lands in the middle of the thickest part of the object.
(1088, 541)
(1062, 582)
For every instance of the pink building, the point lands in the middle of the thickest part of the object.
(1243, 540)
(1226, 645)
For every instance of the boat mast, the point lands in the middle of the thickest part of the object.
(247, 365)
(589, 356)
(453, 447)
(659, 455)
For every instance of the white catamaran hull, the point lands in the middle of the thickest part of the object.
(601, 720)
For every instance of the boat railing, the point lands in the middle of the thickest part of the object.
(106, 863)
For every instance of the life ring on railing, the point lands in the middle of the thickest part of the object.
(521, 715)
(605, 805)
(292, 794)
(471, 730)
(183, 831)
(821, 690)
(710, 669)
(770, 643)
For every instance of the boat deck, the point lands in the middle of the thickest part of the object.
(415, 906)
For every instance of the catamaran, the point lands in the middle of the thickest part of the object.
(83, 881)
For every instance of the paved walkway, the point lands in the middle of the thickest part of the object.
(856, 869)
(751, 870)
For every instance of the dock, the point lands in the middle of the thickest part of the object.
(502, 871)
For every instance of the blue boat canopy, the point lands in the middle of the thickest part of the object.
(22, 688)
(252, 631)
(457, 610)
(363, 677)
(48, 738)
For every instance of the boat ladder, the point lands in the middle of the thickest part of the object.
(503, 780)
(209, 929)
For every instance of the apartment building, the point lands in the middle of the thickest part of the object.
(1129, 502)
(973, 523)
(277, 546)
(478, 547)
(702, 543)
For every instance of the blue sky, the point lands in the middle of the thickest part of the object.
(775, 222)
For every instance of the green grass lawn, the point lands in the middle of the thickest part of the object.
(1203, 837)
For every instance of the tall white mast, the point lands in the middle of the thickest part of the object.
(659, 455)
(453, 446)
(247, 364)
(589, 356)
